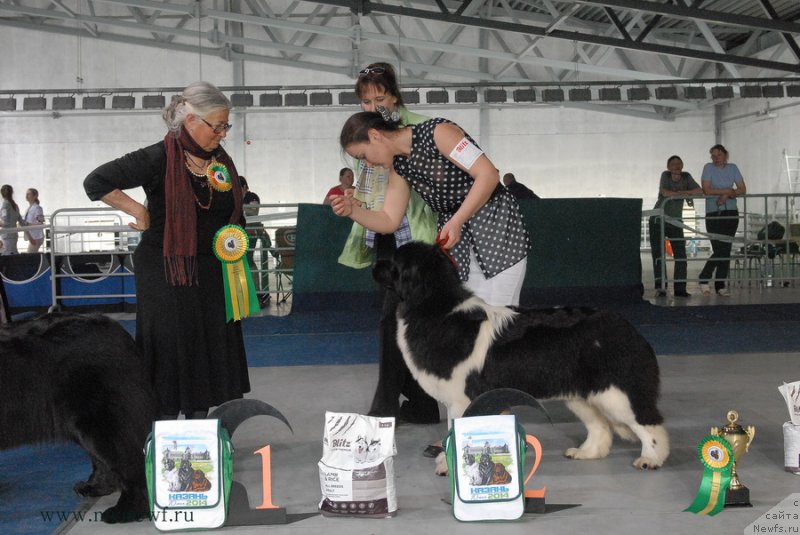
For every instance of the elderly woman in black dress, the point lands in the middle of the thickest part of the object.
(193, 355)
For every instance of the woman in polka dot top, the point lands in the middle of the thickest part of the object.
(479, 220)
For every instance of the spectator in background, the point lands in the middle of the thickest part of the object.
(674, 182)
(519, 191)
(724, 181)
(345, 182)
(257, 233)
(9, 219)
(34, 216)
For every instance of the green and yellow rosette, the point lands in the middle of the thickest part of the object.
(230, 245)
(717, 457)
(219, 177)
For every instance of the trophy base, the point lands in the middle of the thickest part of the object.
(738, 497)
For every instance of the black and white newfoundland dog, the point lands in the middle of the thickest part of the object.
(68, 377)
(458, 347)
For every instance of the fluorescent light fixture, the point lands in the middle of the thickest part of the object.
(296, 99)
(348, 97)
(34, 103)
(638, 93)
(495, 95)
(610, 93)
(525, 95)
(321, 99)
(580, 94)
(123, 102)
(722, 92)
(437, 96)
(553, 95)
(63, 103)
(270, 100)
(694, 92)
(150, 102)
(94, 103)
(241, 100)
(750, 91)
(466, 96)
(668, 92)
(772, 91)
(410, 97)
(8, 104)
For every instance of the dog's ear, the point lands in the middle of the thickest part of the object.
(382, 273)
(414, 283)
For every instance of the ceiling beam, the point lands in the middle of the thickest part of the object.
(584, 37)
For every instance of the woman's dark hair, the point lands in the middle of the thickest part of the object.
(6, 191)
(720, 148)
(674, 157)
(356, 128)
(380, 75)
(343, 170)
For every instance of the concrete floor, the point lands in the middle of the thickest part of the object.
(601, 496)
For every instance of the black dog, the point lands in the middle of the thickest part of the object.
(67, 377)
(458, 347)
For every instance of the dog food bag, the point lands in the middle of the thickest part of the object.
(356, 472)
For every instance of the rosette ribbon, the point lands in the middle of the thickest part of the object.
(219, 177)
(230, 245)
(717, 457)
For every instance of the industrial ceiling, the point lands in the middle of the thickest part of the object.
(479, 43)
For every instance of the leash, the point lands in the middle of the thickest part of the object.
(440, 242)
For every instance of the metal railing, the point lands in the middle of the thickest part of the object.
(757, 260)
(87, 246)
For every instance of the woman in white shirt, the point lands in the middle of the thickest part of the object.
(34, 216)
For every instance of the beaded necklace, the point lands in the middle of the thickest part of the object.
(203, 183)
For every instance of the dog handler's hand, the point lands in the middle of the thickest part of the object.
(342, 205)
(450, 234)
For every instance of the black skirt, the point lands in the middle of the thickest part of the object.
(194, 358)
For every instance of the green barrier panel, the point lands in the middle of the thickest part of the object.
(576, 243)
(319, 281)
(583, 242)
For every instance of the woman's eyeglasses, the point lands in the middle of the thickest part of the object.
(371, 70)
(220, 128)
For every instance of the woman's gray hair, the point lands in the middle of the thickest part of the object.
(199, 98)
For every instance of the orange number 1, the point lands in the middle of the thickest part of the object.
(266, 478)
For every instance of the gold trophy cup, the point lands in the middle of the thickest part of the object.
(739, 438)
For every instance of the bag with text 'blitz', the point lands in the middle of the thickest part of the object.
(356, 472)
(485, 461)
(189, 466)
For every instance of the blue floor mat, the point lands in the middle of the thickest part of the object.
(327, 337)
(36, 487)
(38, 480)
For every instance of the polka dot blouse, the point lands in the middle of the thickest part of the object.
(496, 232)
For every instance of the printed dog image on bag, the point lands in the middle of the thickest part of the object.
(357, 467)
(487, 464)
(186, 467)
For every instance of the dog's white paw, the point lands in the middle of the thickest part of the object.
(441, 465)
(646, 463)
(583, 454)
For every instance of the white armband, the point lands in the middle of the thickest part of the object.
(465, 153)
